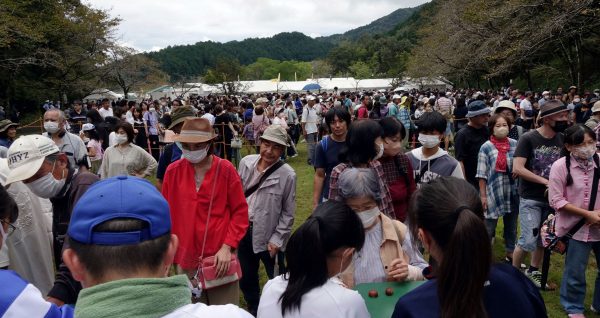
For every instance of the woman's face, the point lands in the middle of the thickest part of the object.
(501, 122)
(11, 132)
(392, 146)
(361, 204)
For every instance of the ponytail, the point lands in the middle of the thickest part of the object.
(450, 211)
(307, 265)
(332, 225)
(465, 268)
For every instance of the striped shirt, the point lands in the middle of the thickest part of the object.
(368, 267)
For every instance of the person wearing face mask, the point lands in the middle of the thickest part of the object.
(509, 111)
(200, 187)
(388, 253)
(38, 163)
(270, 190)
(429, 161)
(364, 147)
(18, 297)
(317, 253)
(536, 151)
(497, 187)
(126, 158)
(68, 143)
(570, 185)
(397, 168)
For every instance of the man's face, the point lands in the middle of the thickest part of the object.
(105, 105)
(339, 127)
(311, 103)
(481, 120)
(77, 107)
(58, 169)
(270, 151)
(53, 117)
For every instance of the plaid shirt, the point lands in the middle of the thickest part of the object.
(404, 117)
(501, 188)
(385, 204)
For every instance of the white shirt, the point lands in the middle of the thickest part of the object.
(310, 119)
(105, 112)
(327, 301)
(210, 118)
(215, 311)
(129, 117)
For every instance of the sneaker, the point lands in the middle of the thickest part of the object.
(294, 156)
(592, 309)
(535, 276)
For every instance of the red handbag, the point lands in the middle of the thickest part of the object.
(207, 271)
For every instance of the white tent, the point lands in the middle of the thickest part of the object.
(102, 93)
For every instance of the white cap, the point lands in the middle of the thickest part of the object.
(396, 96)
(87, 126)
(26, 155)
(545, 93)
(310, 97)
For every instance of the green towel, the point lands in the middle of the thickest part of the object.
(134, 297)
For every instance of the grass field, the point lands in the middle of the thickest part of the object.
(304, 207)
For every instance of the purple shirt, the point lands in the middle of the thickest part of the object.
(578, 194)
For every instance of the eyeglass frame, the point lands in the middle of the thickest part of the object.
(11, 227)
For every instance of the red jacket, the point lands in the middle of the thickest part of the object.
(189, 210)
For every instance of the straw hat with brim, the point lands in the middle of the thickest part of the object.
(5, 124)
(552, 107)
(596, 107)
(195, 130)
(276, 134)
(26, 155)
(180, 114)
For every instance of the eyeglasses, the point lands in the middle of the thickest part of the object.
(11, 227)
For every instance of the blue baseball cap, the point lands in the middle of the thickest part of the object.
(115, 198)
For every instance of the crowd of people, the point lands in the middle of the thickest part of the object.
(396, 174)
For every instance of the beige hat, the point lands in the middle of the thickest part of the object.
(596, 107)
(276, 134)
(26, 155)
(195, 130)
(506, 104)
(5, 124)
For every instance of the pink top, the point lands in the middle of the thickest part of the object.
(577, 194)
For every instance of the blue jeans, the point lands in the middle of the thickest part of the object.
(510, 229)
(531, 214)
(572, 287)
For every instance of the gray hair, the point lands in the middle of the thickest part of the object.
(61, 115)
(359, 182)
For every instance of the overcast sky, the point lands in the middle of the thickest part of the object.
(154, 24)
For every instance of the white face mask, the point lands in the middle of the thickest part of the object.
(429, 141)
(152, 109)
(47, 187)
(194, 156)
(51, 127)
(368, 217)
(380, 152)
(121, 139)
(4, 235)
(500, 132)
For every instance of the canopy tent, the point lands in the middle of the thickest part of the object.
(102, 93)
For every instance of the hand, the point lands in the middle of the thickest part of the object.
(135, 131)
(398, 270)
(484, 201)
(222, 260)
(55, 301)
(273, 249)
(593, 217)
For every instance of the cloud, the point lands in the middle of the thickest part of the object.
(150, 25)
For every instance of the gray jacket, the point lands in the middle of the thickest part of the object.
(274, 207)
